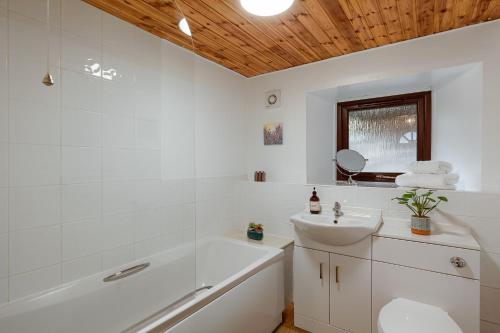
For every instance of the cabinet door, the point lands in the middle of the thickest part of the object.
(350, 293)
(311, 283)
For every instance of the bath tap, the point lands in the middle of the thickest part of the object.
(337, 210)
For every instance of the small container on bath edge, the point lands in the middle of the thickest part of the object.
(255, 231)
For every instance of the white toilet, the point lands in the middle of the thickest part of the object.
(406, 316)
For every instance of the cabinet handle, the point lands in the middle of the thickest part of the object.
(336, 274)
(458, 262)
(321, 271)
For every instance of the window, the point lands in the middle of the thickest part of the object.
(391, 132)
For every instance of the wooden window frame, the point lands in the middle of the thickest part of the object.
(423, 100)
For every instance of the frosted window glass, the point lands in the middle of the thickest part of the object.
(386, 136)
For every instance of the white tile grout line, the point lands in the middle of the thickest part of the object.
(101, 131)
(101, 111)
(21, 14)
(7, 64)
(60, 145)
(134, 130)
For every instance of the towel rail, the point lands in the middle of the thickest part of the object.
(385, 177)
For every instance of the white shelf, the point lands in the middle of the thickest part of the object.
(400, 229)
(268, 240)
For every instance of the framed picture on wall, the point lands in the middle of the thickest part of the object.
(273, 134)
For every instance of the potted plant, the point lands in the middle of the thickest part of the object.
(420, 204)
(255, 231)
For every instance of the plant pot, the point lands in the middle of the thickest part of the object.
(421, 225)
(255, 235)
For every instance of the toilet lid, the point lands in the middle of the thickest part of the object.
(403, 315)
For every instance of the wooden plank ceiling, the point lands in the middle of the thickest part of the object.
(311, 30)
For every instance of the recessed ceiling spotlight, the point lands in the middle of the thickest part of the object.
(184, 26)
(266, 7)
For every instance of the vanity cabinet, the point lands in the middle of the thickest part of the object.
(332, 292)
(311, 283)
(350, 288)
(342, 288)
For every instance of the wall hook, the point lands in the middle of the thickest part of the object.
(48, 80)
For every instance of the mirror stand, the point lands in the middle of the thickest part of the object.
(349, 181)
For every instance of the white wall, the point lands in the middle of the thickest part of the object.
(456, 119)
(96, 172)
(469, 45)
(320, 118)
(220, 148)
(202, 137)
(220, 121)
(82, 186)
(178, 88)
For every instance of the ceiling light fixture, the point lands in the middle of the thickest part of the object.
(184, 26)
(266, 7)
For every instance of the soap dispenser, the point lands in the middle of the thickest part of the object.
(314, 205)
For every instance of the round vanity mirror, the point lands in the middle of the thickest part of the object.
(350, 160)
(350, 163)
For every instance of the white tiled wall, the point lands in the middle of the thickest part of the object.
(4, 152)
(85, 182)
(216, 205)
(273, 203)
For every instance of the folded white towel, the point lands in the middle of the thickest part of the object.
(432, 167)
(431, 181)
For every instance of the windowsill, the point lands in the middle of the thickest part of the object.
(368, 184)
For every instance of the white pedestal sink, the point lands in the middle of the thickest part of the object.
(347, 229)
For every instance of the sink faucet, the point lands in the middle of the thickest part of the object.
(336, 210)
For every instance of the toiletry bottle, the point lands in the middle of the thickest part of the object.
(314, 205)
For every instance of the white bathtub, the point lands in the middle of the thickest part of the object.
(247, 295)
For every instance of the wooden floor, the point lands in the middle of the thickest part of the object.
(287, 325)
